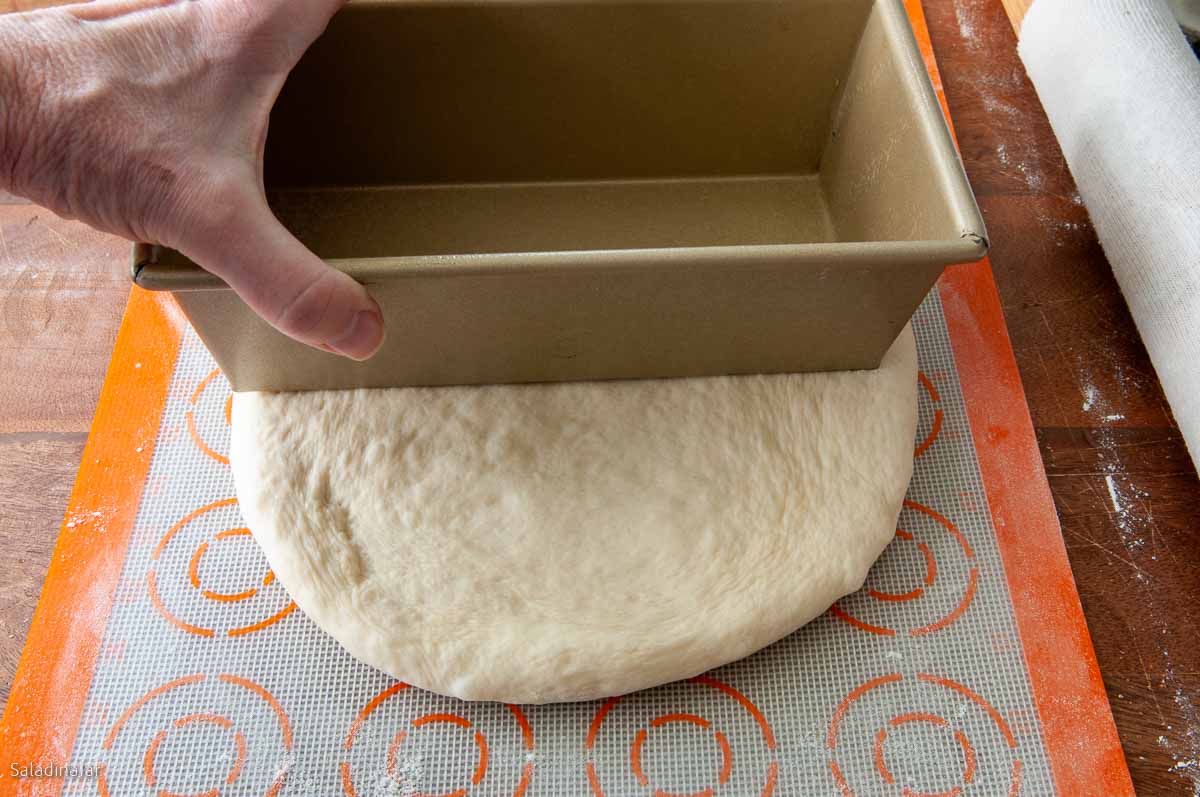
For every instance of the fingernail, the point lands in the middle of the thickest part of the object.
(363, 338)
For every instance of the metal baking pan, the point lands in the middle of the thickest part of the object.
(563, 190)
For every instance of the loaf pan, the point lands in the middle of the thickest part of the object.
(601, 189)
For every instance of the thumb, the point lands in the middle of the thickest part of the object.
(289, 286)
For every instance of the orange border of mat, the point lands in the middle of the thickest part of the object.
(1077, 723)
(54, 677)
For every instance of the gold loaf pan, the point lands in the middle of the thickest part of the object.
(603, 189)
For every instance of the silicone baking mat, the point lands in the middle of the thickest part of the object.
(166, 660)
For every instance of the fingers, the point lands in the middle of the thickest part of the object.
(289, 286)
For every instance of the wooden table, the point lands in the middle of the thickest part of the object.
(1126, 492)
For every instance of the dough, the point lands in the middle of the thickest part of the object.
(539, 543)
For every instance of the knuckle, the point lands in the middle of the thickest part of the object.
(202, 206)
(305, 311)
(259, 36)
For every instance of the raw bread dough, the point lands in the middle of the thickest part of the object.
(539, 543)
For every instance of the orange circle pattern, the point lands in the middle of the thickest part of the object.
(213, 719)
(150, 755)
(938, 416)
(931, 573)
(193, 573)
(641, 736)
(880, 741)
(223, 597)
(190, 418)
(482, 763)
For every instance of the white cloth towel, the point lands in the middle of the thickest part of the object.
(1122, 90)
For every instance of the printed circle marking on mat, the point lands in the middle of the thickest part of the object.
(211, 405)
(450, 730)
(933, 728)
(137, 743)
(224, 597)
(182, 590)
(936, 427)
(916, 592)
(666, 727)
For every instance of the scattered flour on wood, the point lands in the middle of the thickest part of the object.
(1133, 517)
(1132, 512)
(964, 15)
(1186, 763)
(1090, 394)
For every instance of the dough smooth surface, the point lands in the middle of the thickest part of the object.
(540, 543)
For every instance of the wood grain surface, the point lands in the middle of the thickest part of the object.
(1125, 490)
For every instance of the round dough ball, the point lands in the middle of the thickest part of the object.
(540, 543)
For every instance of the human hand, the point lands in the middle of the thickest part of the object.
(148, 119)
